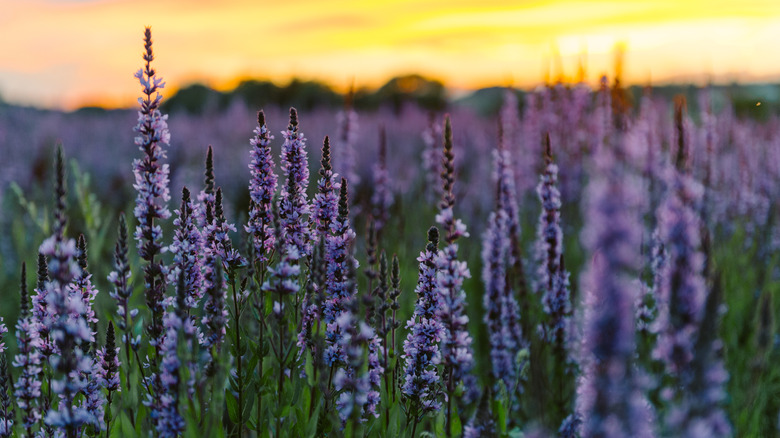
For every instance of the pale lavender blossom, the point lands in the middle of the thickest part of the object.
(553, 280)
(215, 313)
(28, 358)
(40, 308)
(683, 291)
(262, 187)
(495, 249)
(151, 182)
(65, 319)
(120, 278)
(217, 240)
(339, 289)
(609, 398)
(422, 383)
(456, 350)
(82, 285)
(294, 207)
(168, 420)
(187, 249)
(355, 380)
(325, 207)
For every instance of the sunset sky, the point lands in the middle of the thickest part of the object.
(68, 53)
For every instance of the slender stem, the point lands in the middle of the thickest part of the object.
(108, 414)
(416, 421)
(239, 355)
(281, 363)
(449, 404)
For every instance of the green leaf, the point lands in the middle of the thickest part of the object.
(232, 406)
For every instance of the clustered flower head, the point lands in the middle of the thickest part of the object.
(187, 249)
(326, 202)
(28, 384)
(456, 350)
(609, 399)
(294, 208)
(262, 188)
(421, 348)
(339, 288)
(552, 276)
(151, 183)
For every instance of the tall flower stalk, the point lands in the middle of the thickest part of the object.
(151, 182)
(262, 187)
(422, 383)
(66, 322)
(609, 400)
(457, 354)
(107, 372)
(294, 208)
(28, 385)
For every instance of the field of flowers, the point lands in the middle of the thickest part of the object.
(575, 266)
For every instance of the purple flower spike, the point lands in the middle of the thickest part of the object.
(339, 289)
(28, 385)
(422, 383)
(262, 188)
(456, 350)
(609, 400)
(65, 320)
(187, 248)
(553, 278)
(293, 205)
(325, 207)
(151, 182)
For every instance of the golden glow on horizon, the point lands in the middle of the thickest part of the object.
(67, 53)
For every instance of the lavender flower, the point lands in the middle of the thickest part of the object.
(683, 290)
(262, 187)
(457, 356)
(82, 285)
(697, 411)
(355, 380)
(168, 420)
(382, 198)
(187, 248)
(422, 383)
(495, 248)
(120, 278)
(40, 308)
(28, 358)
(65, 318)
(338, 287)
(553, 278)
(609, 400)
(107, 363)
(6, 408)
(293, 205)
(151, 182)
(214, 310)
(326, 203)
(218, 239)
